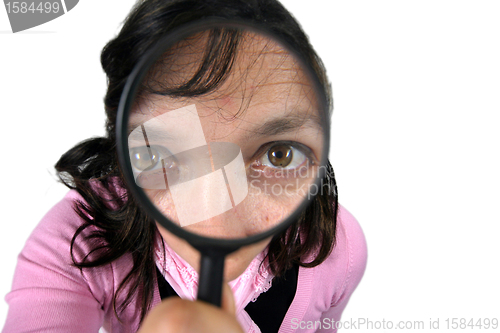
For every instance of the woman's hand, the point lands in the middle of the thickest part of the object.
(177, 315)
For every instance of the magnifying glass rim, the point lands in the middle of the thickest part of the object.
(125, 106)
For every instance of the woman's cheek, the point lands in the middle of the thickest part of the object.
(272, 197)
(163, 201)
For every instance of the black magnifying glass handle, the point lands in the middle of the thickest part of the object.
(211, 275)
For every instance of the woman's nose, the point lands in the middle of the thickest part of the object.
(205, 195)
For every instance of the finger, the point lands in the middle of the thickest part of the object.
(227, 302)
(177, 315)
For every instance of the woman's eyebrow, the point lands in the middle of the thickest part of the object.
(285, 124)
(153, 133)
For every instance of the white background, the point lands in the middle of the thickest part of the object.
(414, 145)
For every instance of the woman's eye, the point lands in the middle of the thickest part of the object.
(280, 156)
(284, 156)
(147, 158)
(143, 158)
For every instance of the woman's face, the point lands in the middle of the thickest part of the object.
(236, 161)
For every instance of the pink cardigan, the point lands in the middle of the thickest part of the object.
(50, 295)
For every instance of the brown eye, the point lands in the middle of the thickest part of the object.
(143, 158)
(284, 156)
(280, 156)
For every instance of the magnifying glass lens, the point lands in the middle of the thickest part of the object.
(225, 134)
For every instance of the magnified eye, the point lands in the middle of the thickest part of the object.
(280, 155)
(143, 158)
(284, 156)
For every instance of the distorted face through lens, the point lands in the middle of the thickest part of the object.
(226, 134)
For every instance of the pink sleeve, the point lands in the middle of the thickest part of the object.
(48, 293)
(354, 245)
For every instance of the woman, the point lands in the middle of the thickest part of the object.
(95, 259)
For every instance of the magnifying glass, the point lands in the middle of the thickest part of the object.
(223, 137)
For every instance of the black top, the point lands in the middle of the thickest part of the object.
(270, 308)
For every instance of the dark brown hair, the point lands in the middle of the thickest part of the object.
(120, 225)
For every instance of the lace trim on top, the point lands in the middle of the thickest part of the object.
(255, 280)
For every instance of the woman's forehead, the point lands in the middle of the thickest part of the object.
(238, 63)
(264, 81)
(259, 104)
